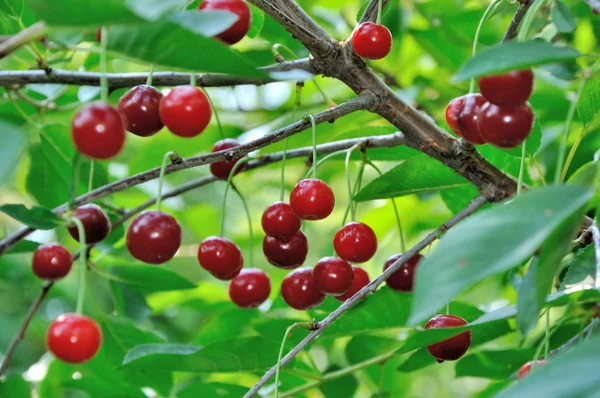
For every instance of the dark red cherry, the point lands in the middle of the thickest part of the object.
(221, 170)
(97, 131)
(462, 115)
(154, 237)
(361, 279)
(371, 41)
(507, 89)
(221, 257)
(505, 127)
(51, 261)
(96, 223)
(286, 253)
(239, 29)
(139, 109)
(452, 111)
(250, 288)
(74, 338)
(402, 280)
(526, 368)
(99, 35)
(298, 290)
(333, 276)
(280, 221)
(312, 199)
(186, 111)
(453, 348)
(355, 242)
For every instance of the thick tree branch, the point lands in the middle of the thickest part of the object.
(513, 28)
(370, 14)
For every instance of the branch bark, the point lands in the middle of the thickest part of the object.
(513, 28)
(370, 14)
(34, 32)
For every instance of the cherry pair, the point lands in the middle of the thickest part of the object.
(284, 245)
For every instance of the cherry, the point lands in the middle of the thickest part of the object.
(240, 28)
(286, 253)
(74, 338)
(298, 290)
(154, 237)
(139, 109)
(333, 276)
(96, 223)
(462, 115)
(98, 131)
(186, 111)
(221, 257)
(371, 40)
(250, 288)
(453, 348)
(402, 280)
(355, 242)
(361, 279)
(505, 127)
(507, 89)
(312, 199)
(99, 35)
(221, 170)
(526, 368)
(280, 221)
(51, 261)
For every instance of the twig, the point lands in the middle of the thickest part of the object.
(584, 333)
(596, 238)
(594, 5)
(513, 28)
(370, 14)
(34, 32)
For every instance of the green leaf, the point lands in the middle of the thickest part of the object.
(205, 23)
(533, 142)
(340, 387)
(496, 365)
(563, 18)
(12, 7)
(71, 12)
(24, 246)
(418, 360)
(15, 387)
(36, 217)
(126, 334)
(258, 21)
(582, 270)
(589, 101)
(153, 10)
(490, 242)
(514, 55)
(147, 278)
(13, 141)
(203, 389)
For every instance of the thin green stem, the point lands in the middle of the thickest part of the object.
(249, 217)
(547, 335)
(324, 159)
(361, 171)
(528, 19)
(349, 183)
(239, 164)
(379, 12)
(287, 332)
(448, 308)
(214, 109)
(193, 80)
(330, 103)
(297, 104)
(82, 262)
(574, 148)
(161, 177)
(150, 72)
(103, 78)
(560, 163)
(91, 178)
(489, 9)
(314, 142)
(74, 179)
(521, 169)
(539, 170)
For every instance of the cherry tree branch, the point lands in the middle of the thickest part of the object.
(584, 333)
(513, 28)
(34, 32)
(370, 14)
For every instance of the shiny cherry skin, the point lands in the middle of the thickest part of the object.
(280, 221)
(221, 170)
(220, 257)
(355, 242)
(154, 237)
(506, 127)
(462, 115)
(312, 199)
(507, 89)
(97, 131)
(298, 290)
(96, 223)
(286, 253)
(453, 348)
(240, 28)
(250, 288)
(371, 40)
(526, 368)
(452, 111)
(186, 111)
(74, 338)
(403, 279)
(139, 109)
(333, 276)
(51, 261)
(361, 279)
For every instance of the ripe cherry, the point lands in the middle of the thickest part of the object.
(402, 280)
(240, 28)
(186, 111)
(298, 290)
(99, 35)
(221, 257)
(154, 237)
(333, 276)
(74, 338)
(355, 242)
(453, 348)
(96, 223)
(462, 115)
(139, 109)
(280, 221)
(505, 127)
(507, 89)
(286, 253)
(250, 288)
(221, 170)
(361, 279)
(51, 261)
(371, 40)
(312, 199)
(526, 368)
(97, 131)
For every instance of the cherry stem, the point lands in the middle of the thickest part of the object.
(150, 72)
(521, 168)
(349, 183)
(163, 167)
(561, 166)
(297, 103)
(219, 125)
(356, 188)
(91, 178)
(547, 335)
(249, 217)
(326, 158)
(103, 77)
(227, 185)
(527, 21)
(484, 17)
(193, 81)
(448, 308)
(74, 179)
(314, 142)
(379, 12)
(287, 332)
(82, 262)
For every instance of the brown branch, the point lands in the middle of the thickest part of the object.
(370, 14)
(584, 333)
(513, 28)
(34, 32)
(594, 6)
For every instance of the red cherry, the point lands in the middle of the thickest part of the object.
(507, 89)
(284, 253)
(526, 368)
(355, 242)
(453, 348)
(139, 109)
(452, 111)
(74, 338)
(98, 131)
(505, 127)
(402, 280)
(333, 276)
(96, 223)
(298, 290)
(99, 35)
(186, 111)
(240, 28)
(221, 170)
(361, 279)
(371, 41)
(280, 221)
(312, 199)
(462, 115)
(250, 288)
(154, 237)
(51, 261)
(221, 257)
